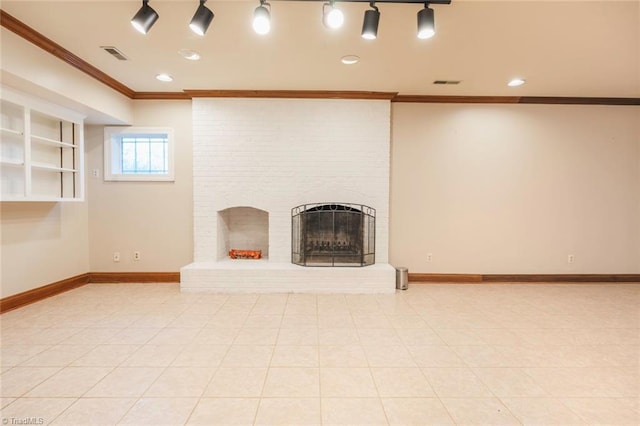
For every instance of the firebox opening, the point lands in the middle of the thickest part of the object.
(243, 228)
(333, 234)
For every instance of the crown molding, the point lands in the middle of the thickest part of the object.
(294, 94)
(29, 34)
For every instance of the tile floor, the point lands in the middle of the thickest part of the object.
(434, 354)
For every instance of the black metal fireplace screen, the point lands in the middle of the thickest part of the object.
(333, 234)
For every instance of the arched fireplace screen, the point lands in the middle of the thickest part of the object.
(333, 234)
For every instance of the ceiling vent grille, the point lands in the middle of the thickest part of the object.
(447, 82)
(113, 51)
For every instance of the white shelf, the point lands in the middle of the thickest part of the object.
(50, 141)
(53, 176)
(51, 167)
(11, 131)
(11, 162)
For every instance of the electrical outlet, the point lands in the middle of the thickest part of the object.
(116, 256)
(95, 172)
(570, 258)
(136, 255)
(429, 257)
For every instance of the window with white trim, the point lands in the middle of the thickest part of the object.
(138, 154)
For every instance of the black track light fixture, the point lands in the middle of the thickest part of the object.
(370, 23)
(144, 19)
(201, 19)
(426, 23)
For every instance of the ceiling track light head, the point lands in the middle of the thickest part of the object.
(426, 23)
(262, 18)
(332, 17)
(370, 22)
(201, 19)
(144, 19)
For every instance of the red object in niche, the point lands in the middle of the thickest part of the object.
(245, 254)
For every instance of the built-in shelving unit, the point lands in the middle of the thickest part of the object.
(41, 150)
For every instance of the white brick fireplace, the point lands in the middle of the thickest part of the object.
(256, 159)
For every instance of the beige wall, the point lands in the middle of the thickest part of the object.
(154, 218)
(515, 188)
(42, 243)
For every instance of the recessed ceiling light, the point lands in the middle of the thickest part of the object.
(350, 59)
(191, 55)
(516, 82)
(164, 77)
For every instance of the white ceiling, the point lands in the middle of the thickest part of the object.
(562, 48)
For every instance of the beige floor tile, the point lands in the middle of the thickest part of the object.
(347, 382)
(389, 356)
(159, 411)
(299, 320)
(371, 321)
(6, 401)
(91, 336)
(58, 356)
(263, 321)
(484, 356)
(105, 356)
(416, 411)
(125, 382)
(542, 411)
(224, 411)
(340, 320)
(610, 411)
(216, 336)
(338, 336)
(295, 356)
(407, 322)
(69, 382)
(479, 411)
(190, 320)
(57, 335)
(298, 336)
(256, 336)
(456, 383)
(236, 382)
(181, 382)
(401, 382)
(248, 356)
(133, 336)
(379, 337)
(587, 382)
(289, 411)
(42, 410)
(153, 356)
(95, 411)
(292, 382)
(419, 336)
(509, 382)
(175, 336)
(201, 356)
(343, 356)
(463, 337)
(435, 356)
(12, 355)
(353, 411)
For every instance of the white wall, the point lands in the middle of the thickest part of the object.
(41, 243)
(276, 154)
(515, 188)
(154, 218)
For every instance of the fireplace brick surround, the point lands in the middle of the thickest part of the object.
(268, 156)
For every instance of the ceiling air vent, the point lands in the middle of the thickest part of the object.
(447, 82)
(113, 51)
